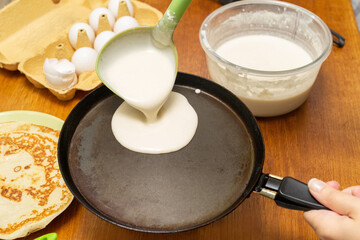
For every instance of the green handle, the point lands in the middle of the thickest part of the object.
(164, 30)
(49, 236)
(177, 9)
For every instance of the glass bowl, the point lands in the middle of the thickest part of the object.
(266, 92)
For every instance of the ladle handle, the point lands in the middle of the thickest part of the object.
(287, 192)
(177, 9)
(164, 30)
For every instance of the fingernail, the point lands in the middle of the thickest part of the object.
(316, 185)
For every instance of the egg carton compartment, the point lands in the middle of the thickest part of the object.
(33, 30)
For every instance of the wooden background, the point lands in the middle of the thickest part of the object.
(320, 139)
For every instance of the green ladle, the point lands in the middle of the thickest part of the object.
(162, 33)
(158, 38)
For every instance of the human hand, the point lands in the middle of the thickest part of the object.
(343, 222)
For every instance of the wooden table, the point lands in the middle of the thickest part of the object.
(320, 139)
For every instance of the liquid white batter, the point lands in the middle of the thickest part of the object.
(264, 52)
(269, 95)
(172, 130)
(140, 73)
(151, 120)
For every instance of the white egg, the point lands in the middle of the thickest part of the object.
(102, 39)
(59, 74)
(73, 33)
(125, 23)
(96, 13)
(113, 6)
(84, 60)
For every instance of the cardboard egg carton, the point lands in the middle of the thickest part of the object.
(33, 30)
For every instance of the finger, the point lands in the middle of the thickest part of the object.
(326, 224)
(334, 184)
(354, 190)
(340, 202)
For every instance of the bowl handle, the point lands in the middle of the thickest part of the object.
(338, 40)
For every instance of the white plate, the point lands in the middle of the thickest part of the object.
(38, 118)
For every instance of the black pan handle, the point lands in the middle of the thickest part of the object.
(287, 192)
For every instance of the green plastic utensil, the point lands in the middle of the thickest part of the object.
(49, 236)
(161, 35)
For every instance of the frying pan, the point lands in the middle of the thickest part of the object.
(177, 191)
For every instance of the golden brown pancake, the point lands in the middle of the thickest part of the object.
(32, 191)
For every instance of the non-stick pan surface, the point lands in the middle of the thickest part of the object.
(166, 192)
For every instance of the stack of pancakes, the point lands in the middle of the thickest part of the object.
(32, 191)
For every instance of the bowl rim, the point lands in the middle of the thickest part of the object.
(210, 52)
